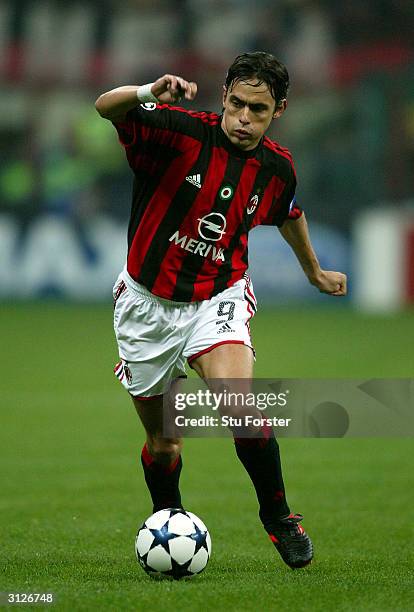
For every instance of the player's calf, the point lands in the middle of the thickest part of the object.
(163, 478)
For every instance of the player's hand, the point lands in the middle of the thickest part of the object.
(170, 88)
(333, 283)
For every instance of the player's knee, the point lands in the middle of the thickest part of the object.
(165, 450)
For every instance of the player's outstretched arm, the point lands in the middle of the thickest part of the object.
(114, 104)
(296, 234)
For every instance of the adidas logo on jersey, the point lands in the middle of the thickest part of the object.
(194, 179)
(225, 328)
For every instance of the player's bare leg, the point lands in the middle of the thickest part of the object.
(261, 459)
(160, 457)
(225, 361)
(230, 362)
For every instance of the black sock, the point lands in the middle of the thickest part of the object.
(260, 457)
(162, 481)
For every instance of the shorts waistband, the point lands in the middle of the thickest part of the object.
(144, 292)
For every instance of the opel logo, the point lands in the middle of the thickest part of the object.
(212, 226)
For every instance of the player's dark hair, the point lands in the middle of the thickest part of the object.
(265, 68)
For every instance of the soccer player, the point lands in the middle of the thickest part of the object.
(201, 182)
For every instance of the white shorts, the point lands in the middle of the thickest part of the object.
(156, 336)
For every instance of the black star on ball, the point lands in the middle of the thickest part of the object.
(162, 536)
(200, 538)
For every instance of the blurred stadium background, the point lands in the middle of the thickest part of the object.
(64, 184)
(71, 497)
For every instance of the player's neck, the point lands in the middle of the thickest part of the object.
(233, 148)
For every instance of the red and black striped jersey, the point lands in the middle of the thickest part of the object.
(195, 198)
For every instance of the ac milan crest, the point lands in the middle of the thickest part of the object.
(128, 374)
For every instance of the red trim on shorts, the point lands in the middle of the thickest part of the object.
(150, 397)
(213, 346)
(144, 399)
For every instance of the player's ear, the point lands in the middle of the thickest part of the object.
(280, 109)
(224, 94)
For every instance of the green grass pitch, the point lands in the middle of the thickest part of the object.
(73, 495)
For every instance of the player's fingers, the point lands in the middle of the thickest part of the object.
(168, 79)
(339, 284)
(185, 88)
(182, 83)
(193, 90)
(173, 85)
(189, 89)
(341, 290)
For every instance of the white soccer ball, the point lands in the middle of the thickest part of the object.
(174, 543)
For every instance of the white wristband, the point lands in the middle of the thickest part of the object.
(144, 93)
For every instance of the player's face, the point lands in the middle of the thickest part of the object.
(248, 111)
